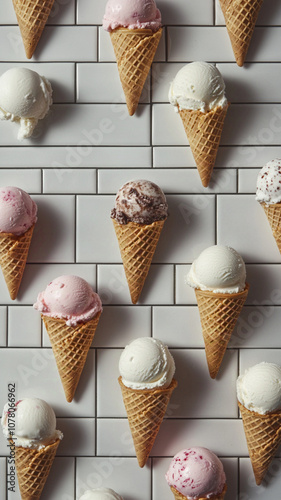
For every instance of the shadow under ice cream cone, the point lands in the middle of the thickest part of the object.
(259, 401)
(218, 276)
(135, 32)
(197, 94)
(71, 311)
(146, 380)
(101, 494)
(36, 441)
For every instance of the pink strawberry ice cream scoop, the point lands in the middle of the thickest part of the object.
(70, 298)
(18, 212)
(196, 472)
(131, 14)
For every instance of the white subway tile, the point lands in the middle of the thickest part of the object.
(69, 181)
(89, 12)
(3, 326)
(270, 486)
(172, 157)
(120, 474)
(29, 180)
(177, 326)
(107, 383)
(3, 477)
(200, 12)
(254, 241)
(269, 293)
(247, 181)
(24, 327)
(60, 482)
(158, 288)
(82, 432)
(184, 293)
(246, 156)
(257, 327)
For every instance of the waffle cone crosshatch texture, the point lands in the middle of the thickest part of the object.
(186, 97)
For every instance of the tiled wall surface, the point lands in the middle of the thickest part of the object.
(80, 155)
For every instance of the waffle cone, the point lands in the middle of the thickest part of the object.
(70, 347)
(218, 315)
(145, 410)
(13, 255)
(273, 213)
(33, 467)
(134, 52)
(240, 19)
(263, 435)
(32, 16)
(137, 244)
(204, 131)
(179, 496)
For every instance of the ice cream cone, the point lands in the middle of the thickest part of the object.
(145, 410)
(179, 496)
(137, 243)
(263, 435)
(13, 255)
(273, 213)
(32, 16)
(134, 51)
(218, 315)
(240, 19)
(33, 467)
(204, 131)
(70, 346)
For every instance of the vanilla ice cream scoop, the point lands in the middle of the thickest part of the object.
(146, 363)
(18, 212)
(70, 298)
(101, 494)
(35, 423)
(131, 14)
(25, 97)
(198, 85)
(196, 472)
(269, 183)
(219, 269)
(259, 388)
(139, 201)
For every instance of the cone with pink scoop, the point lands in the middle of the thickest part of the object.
(259, 401)
(197, 94)
(269, 196)
(18, 215)
(35, 440)
(240, 19)
(146, 380)
(135, 32)
(71, 311)
(218, 276)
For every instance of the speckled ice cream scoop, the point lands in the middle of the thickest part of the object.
(269, 183)
(140, 201)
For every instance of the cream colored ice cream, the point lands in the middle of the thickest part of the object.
(269, 183)
(198, 85)
(259, 388)
(146, 363)
(35, 423)
(219, 269)
(25, 97)
(101, 494)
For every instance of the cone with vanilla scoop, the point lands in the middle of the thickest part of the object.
(138, 217)
(259, 401)
(218, 276)
(197, 94)
(71, 311)
(269, 196)
(135, 32)
(146, 379)
(35, 441)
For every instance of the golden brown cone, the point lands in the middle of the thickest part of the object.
(33, 467)
(70, 347)
(145, 410)
(273, 213)
(240, 19)
(263, 435)
(13, 255)
(179, 496)
(32, 16)
(134, 52)
(137, 243)
(218, 315)
(204, 131)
